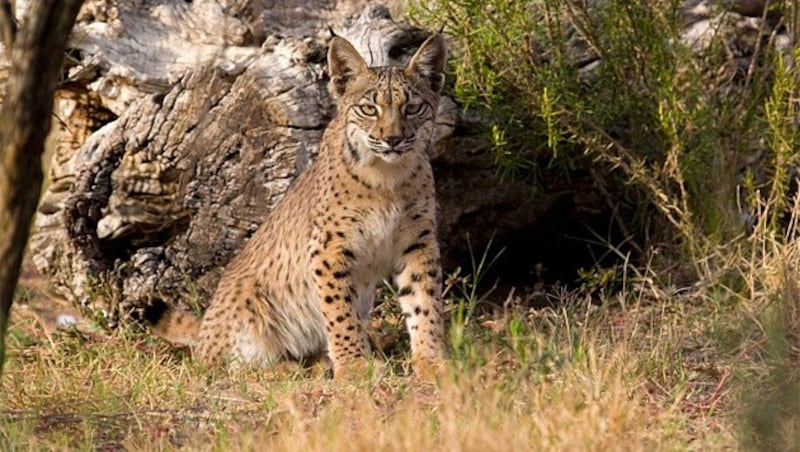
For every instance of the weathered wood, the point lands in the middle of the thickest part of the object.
(185, 122)
(169, 190)
(37, 49)
(155, 202)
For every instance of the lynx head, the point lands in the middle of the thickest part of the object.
(389, 112)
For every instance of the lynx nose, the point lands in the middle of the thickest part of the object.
(393, 141)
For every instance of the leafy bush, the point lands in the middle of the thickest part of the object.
(614, 87)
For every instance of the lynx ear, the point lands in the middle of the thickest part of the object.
(429, 61)
(344, 64)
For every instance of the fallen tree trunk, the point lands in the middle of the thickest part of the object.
(167, 165)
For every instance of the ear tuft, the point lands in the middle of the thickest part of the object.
(429, 61)
(344, 64)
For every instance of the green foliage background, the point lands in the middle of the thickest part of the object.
(611, 86)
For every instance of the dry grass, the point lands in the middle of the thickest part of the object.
(713, 366)
(567, 378)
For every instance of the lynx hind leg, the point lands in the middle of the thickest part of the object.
(232, 329)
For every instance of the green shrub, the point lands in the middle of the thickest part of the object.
(611, 87)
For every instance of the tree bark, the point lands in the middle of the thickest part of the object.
(36, 54)
(155, 201)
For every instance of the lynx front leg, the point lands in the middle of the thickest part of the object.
(347, 342)
(419, 292)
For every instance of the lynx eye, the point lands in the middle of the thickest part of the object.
(368, 110)
(413, 109)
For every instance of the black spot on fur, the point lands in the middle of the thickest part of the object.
(414, 247)
(362, 182)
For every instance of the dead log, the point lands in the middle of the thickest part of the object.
(167, 164)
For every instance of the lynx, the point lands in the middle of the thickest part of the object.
(364, 210)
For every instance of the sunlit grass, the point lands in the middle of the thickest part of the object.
(561, 378)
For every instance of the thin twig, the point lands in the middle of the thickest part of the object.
(8, 26)
(600, 184)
